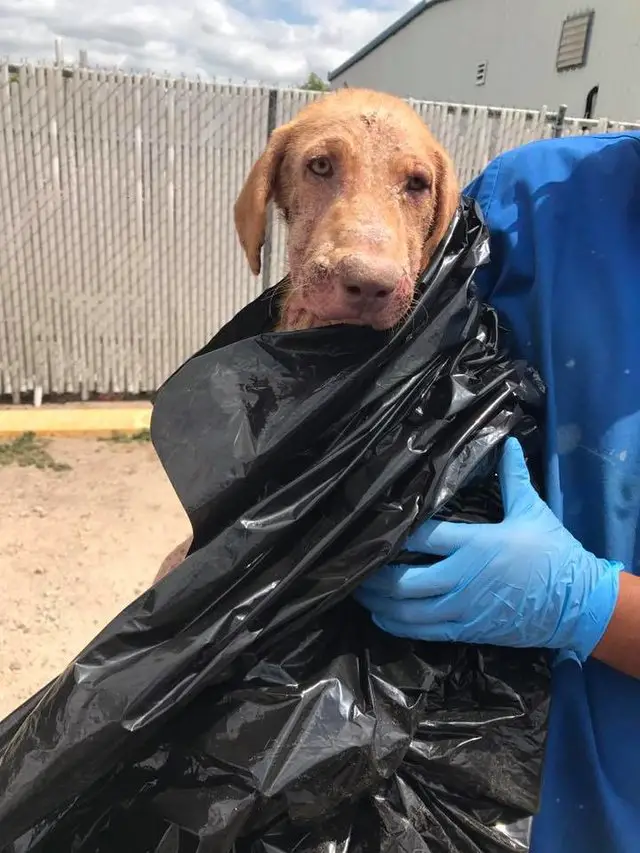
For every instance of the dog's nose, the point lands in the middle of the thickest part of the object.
(367, 290)
(368, 279)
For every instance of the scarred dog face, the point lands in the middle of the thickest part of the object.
(367, 194)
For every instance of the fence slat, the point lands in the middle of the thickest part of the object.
(67, 232)
(15, 351)
(118, 252)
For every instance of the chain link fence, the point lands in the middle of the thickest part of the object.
(118, 255)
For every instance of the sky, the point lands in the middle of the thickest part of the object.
(274, 41)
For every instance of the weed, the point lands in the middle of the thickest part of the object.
(129, 438)
(28, 450)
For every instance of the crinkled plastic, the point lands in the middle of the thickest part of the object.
(246, 703)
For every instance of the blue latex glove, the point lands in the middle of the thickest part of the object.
(523, 582)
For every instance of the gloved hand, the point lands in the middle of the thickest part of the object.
(523, 582)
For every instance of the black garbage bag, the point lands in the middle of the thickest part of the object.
(246, 703)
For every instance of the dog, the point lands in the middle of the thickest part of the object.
(367, 194)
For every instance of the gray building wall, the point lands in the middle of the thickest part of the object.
(436, 55)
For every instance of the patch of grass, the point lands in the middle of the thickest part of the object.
(29, 451)
(129, 438)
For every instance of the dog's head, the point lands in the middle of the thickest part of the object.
(367, 194)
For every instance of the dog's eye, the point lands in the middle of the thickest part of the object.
(321, 166)
(417, 184)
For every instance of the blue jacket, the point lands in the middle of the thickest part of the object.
(564, 216)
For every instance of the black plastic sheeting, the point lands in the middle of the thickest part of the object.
(246, 703)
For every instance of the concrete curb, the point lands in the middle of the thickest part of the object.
(74, 421)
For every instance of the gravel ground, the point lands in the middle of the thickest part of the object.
(80, 536)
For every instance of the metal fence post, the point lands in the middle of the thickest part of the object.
(272, 119)
(558, 125)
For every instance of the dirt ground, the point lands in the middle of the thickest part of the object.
(76, 546)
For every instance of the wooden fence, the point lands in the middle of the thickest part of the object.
(118, 256)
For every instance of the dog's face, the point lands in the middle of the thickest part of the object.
(367, 194)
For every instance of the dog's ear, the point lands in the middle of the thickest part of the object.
(250, 211)
(447, 190)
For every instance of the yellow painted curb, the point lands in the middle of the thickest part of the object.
(74, 421)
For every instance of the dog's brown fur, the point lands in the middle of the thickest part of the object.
(367, 194)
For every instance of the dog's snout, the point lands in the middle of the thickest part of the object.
(368, 288)
(367, 278)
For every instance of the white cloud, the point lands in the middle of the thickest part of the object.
(269, 40)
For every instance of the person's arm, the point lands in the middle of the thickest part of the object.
(620, 645)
